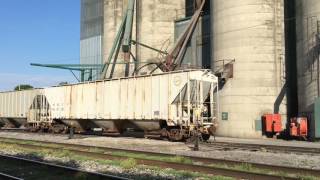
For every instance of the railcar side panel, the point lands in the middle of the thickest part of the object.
(16, 104)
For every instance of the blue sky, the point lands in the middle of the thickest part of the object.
(40, 31)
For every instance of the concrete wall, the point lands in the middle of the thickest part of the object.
(307, 21)
(252, 33)
(153, 25)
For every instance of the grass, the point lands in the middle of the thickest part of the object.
(176, 159)
(180, 159)
(30, 142)
(308, 178)
(128, 163)
(96, 150)
(245, 167)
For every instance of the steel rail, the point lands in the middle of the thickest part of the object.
(79, 149)
(258, 147)
(65, 168)
(7, 176)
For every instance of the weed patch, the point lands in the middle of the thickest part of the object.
(128, 163)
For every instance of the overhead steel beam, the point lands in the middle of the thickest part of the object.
(67, 66)
(73, 67)
(126, 45)
(149, 47)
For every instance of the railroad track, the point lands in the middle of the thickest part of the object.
(226, 146)
(28, 169)
(9, 177)
(221, 146)
(202, 165)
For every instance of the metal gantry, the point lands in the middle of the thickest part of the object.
(123, 41)
(82, 68)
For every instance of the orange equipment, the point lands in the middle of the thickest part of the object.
(272, 124)
(299, 127)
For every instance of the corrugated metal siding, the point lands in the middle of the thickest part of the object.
(16, 104)
(91, 18)
(91, 53)
(91, 43)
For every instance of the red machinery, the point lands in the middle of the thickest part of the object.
(272, 124)
(299, 127)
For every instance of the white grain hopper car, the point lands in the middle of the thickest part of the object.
(172, 104)
(15, 105)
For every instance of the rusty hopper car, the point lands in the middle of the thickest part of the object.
(174, 104)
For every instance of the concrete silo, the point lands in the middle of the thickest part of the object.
(308, 24)
(153, 25)
(252, 33)
(308, 65)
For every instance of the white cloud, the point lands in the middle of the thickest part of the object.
(9, 80)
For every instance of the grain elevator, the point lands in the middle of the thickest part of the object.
(266, 52)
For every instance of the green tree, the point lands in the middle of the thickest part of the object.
(23, 87)
(63, 83)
